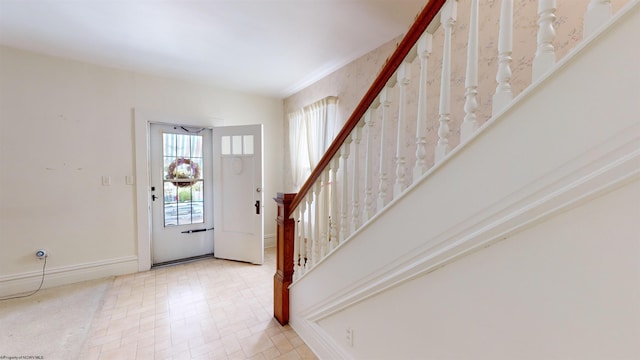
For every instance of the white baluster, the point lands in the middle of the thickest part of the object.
(403, 75)
(333, 188)
(598, 13)
(470, 123)
(425, 44)
(382, 185)
(317, 240)
(344, 209)
(368, 169)
(310, 260)
(303, 240)
(503, 95)
(448, 16)
(324, 212)
(545, 54)
(355, 191)
(296, 243)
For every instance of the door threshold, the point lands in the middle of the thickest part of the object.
(182, 261)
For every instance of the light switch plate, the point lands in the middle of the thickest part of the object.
(129, 180)
(106, 180)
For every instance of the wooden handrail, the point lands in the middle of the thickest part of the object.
(421, 23)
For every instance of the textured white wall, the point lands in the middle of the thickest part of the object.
(64, 125)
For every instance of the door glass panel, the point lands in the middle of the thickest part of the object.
(225, 144)
(169, 145)
(237, 145)
(170, 214)
(183, 145)
(248, 144)
(196, 164)
(183, 179)
(196, 147)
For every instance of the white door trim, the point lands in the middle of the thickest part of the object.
(142, 124)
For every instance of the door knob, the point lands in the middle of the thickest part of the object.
(153, 197)
(257, 205)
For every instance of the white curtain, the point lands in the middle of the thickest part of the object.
(322, 127)
(311, 131)
(298, 153)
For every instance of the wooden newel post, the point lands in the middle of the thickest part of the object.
(284, 261)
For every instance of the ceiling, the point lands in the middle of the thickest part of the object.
(269, 47)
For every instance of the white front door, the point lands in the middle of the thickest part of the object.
(238, 215)
(181, 190)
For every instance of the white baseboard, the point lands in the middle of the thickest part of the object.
(269, 241)
(325, 347)
(64, 275)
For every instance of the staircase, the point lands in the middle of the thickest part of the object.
(495, 222)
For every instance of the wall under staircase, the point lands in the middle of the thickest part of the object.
(524, 243)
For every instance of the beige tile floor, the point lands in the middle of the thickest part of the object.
(209, 309)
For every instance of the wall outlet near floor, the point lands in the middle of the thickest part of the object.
(349, 337)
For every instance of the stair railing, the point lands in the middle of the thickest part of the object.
(372, 162)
